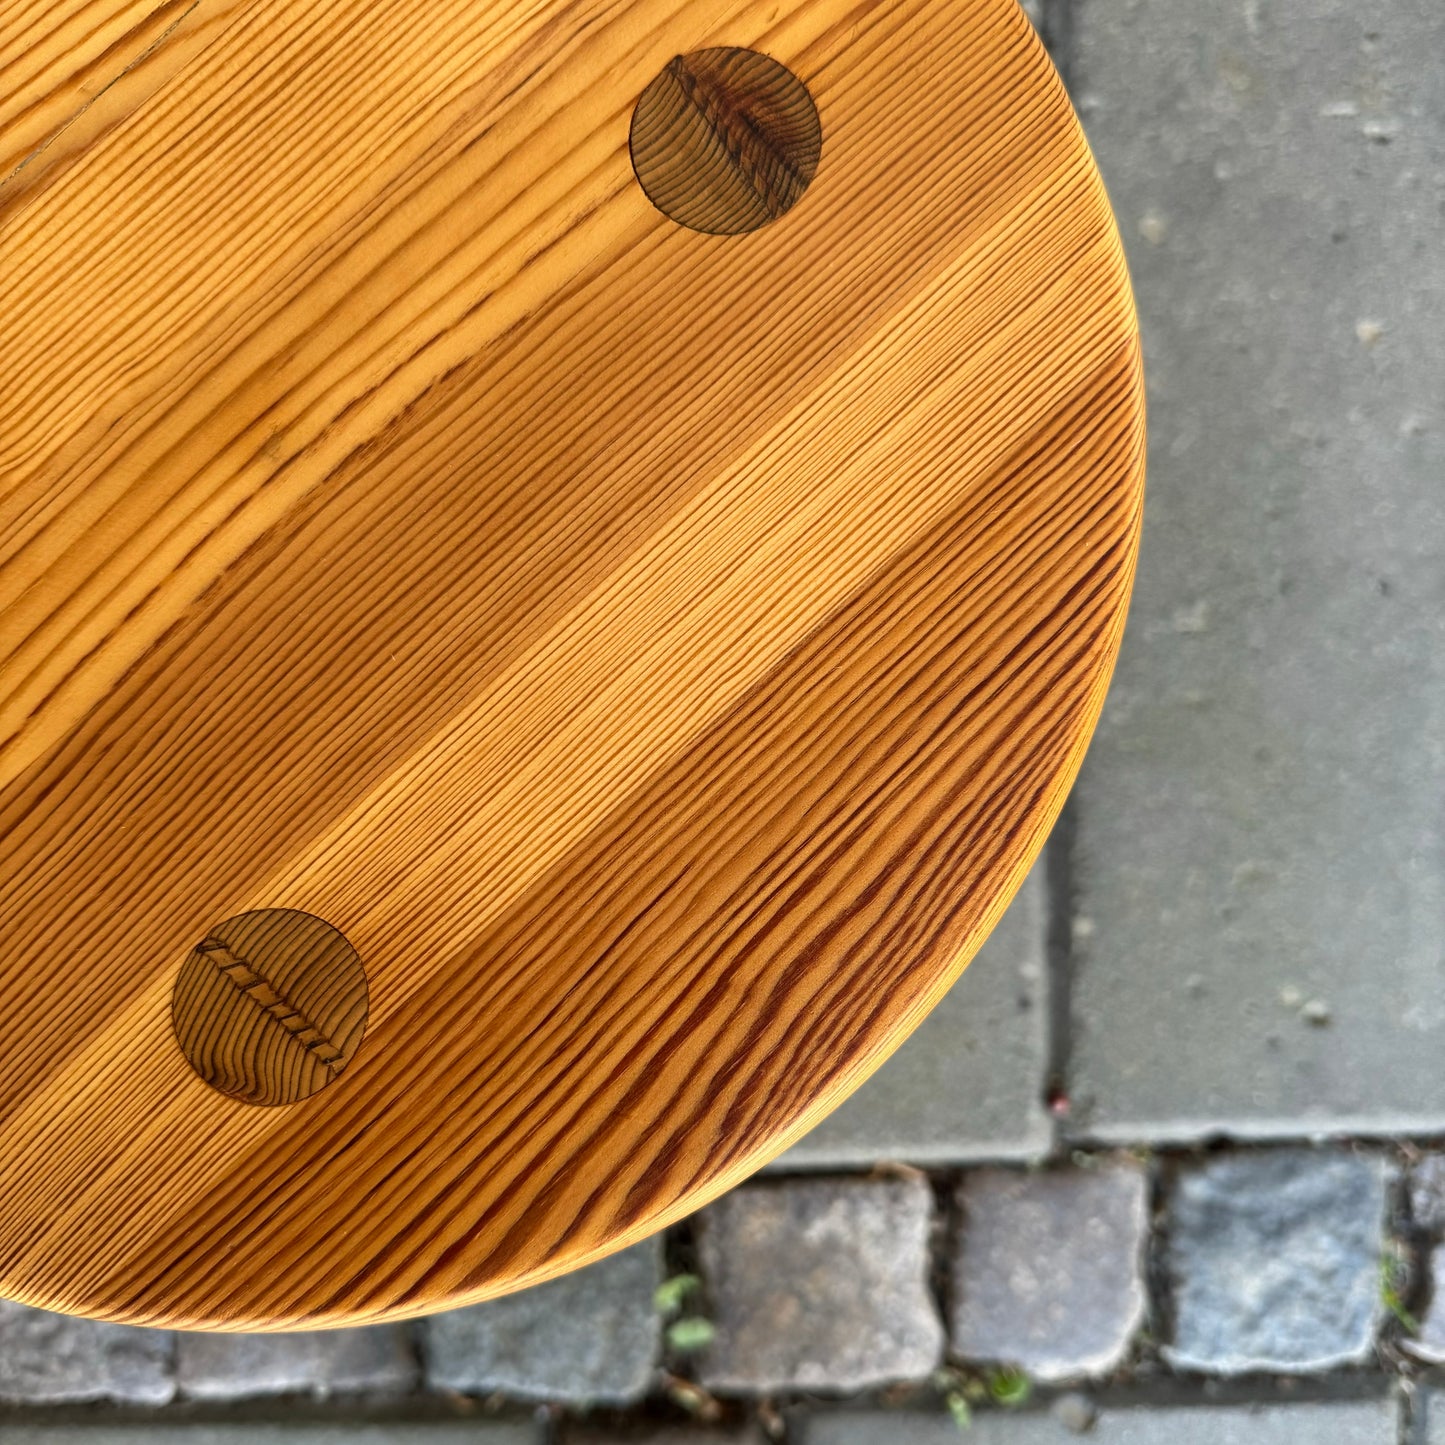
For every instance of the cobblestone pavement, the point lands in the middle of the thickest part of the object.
(1168, 1165)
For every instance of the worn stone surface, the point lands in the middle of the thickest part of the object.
(1352, 1423)
(588, 1337)
(1429, 1418)
(968, 1083)
(1428, 1343)
(1048, 1273)
(1273, 1260)
(46, 1358)
(260, 1432)
(1427, 1194)
(1260, 862)
(321, 1362)
(820, 1284)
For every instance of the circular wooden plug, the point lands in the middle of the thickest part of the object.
(725, 140)
(619, 518)
(270, 1006)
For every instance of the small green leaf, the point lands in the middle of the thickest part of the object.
(1009, 1387)
(670, 1294)
(690, 1334)
(958, 1407)
(1392, 1279)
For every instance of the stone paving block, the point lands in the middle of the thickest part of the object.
(378, 1358)
(590, 1337)
(1429, 1418)
(1260, 860)
(1370, 1422)
(261, 1432)
(968, 1083)
(820, 1284)
(1049, 1269)
(47, 1358)
(1427, 1194)
(1273, 1261)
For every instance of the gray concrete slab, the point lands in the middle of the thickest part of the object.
(1260, 860)
(1353, 1423)
(967, 1085)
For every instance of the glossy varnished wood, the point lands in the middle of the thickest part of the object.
(659, 654)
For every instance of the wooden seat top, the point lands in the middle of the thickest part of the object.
(557, 563)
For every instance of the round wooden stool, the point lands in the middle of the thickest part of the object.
(558, 562)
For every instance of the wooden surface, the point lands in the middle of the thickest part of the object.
(659, 654)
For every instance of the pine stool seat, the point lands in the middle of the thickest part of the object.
(557, 564)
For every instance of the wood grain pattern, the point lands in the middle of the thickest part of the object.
(659, 654)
